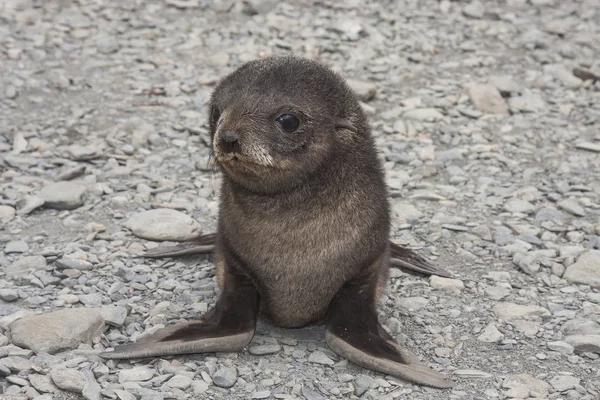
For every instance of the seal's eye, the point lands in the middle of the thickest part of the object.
(288, 123)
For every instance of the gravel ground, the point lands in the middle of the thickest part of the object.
(487, 115)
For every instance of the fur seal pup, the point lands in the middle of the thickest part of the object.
(304, 221)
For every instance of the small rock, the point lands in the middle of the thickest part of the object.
(528, 103)
(561, 347)
(225, 377)
(63, 195)
(74, 263)
(472, 374)
(318, 357)
(562, 74)
(423, 114)
(490, 334)
(586, 270)
(136, 374)
(519, 206)
(114, 315)
(412, 303)
(505, 85)
(264, 349)
(453, 285)
(29, 204)
(511, 311)
(57, 330)
(406, 213)
(526, 381)
(68, 379)
(163, 224)
(23, 266)
(42, 383)
(573, 207)
(6, 213)
(362, 383)
(584, 343)
(487, 99)
(580, 326)
(562, 383)
(263, 394)
(16, 246)
(91, 390)
(180, 382)
(8, 294)
(474, 10)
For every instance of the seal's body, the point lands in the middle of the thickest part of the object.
(303, 229)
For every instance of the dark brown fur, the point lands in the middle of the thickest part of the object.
(304, 223)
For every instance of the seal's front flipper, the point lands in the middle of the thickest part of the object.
(203, 244)
(228, 327)
(354, 333)
(409, 260)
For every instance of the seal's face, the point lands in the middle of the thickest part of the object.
(275, 121)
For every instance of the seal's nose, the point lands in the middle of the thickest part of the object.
(229, 142)
(230, 136)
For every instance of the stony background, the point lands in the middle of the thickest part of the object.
(488, 117)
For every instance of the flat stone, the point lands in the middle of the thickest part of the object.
(423, 114)
(505, 84)
(57, 330)
(562, 383)
(563, 75)
(63, 195)
(412, 303)
(263, 394)
(561, 347)
(180, 382)
(318, 357)
(8, 295)
(528, 328)
(526, 381)
(586, 270)
(405, 212)
(528, 103)
(264, 349)
(225, 377)
(453, 285)
(163, 224)
(114, 315)
(25, 265)
(136, 374)
(519, 206)
(16, 246)
(580, 326)
(510, 311)
(42, 383)
(7, 213)
(28, 204)
(487, 99)
(573, 207)
(490, 334)
(362, 383)
(73, 263)
(584, 343)
(472, 374)
(68, 379)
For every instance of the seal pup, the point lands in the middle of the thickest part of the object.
(304, 221)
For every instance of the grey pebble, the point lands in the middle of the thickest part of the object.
(318, 357)
(225, 377)
(16, 246)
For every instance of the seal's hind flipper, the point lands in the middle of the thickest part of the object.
(203, 244)
(354, 333)
(409, 260)
(228, 327)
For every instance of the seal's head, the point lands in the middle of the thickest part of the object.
(276, 121)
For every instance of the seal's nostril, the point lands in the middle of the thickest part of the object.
(230, 136)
